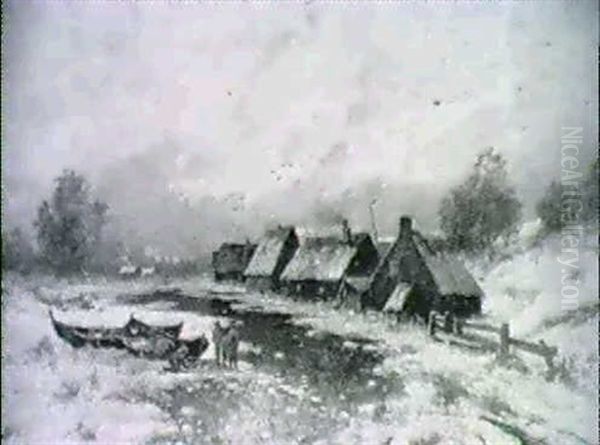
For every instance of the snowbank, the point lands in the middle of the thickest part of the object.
(435, 393)
(55, 394)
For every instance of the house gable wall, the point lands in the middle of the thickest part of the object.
(366, 259)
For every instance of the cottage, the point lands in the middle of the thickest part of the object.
(437, 281)
(322, 263)
(271, 256)
(231, 260)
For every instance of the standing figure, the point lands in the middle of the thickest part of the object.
(217, 338)
(229, 344)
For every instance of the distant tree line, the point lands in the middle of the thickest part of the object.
(69, 229)
(572, 203)
(481, 211)
(17, 251)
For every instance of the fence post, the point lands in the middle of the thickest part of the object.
(431, 324)
(457, 326)
(504, 340)
(448, 322)
(549, 354)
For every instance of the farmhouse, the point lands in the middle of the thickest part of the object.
(231, 260)
(321, 263)
(271, 256)
(413, 279)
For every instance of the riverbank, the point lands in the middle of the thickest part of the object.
(413, 390)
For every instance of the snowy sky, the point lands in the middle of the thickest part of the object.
(289, 112)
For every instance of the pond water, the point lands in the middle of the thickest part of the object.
(336, 371)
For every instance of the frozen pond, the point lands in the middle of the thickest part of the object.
(316, 379)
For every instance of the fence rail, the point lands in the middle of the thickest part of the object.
(480, 327)
(456, 326)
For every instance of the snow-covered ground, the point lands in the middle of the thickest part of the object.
(439, 394)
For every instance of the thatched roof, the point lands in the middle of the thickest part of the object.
(396, 301)
(320, 259)
(449, 274)
(268, 251)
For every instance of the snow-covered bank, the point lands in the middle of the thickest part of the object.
(55, 394)
(436, 393)
(455, 396)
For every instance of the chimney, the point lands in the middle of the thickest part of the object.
(405, 225)
(347, 233)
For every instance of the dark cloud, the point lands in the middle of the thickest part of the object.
(200, 124)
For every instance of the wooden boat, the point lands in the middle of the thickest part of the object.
(70, 334)
(138, 338)
(154, 346)
(165, 348)
(135, 327)
(79, 336)
(187, 353)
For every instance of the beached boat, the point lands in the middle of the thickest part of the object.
(135, 327)
(138, 338)
(187, 353)
(165, 348)
(79, 336)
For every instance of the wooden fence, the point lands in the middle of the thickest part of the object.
(455, 326)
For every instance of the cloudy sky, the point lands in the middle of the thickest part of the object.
(199, 122)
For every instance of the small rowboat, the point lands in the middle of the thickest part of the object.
(72, 335)
(135, 327)
(187, 353)
(165, 348)
(79, 336)
(138, 338)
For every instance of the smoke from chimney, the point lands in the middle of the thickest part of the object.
(347, 233)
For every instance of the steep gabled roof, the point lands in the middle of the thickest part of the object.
(320, 259)
(449, 274)
(268, 251)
